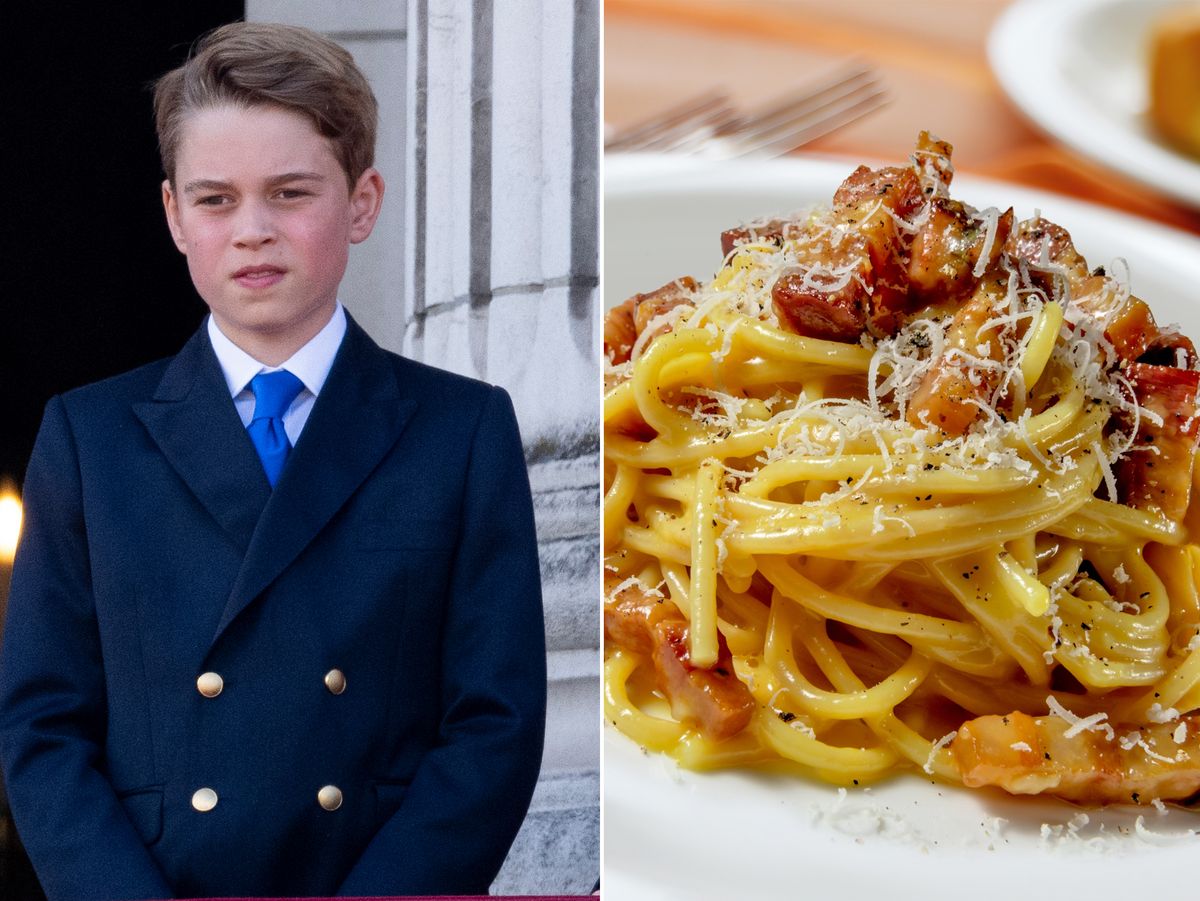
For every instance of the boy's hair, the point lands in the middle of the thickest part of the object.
(259, 64)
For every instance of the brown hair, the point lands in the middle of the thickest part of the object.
(258, 64)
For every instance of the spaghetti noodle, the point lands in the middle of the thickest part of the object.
(906, 484)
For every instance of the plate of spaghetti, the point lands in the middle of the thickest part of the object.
(899, 530)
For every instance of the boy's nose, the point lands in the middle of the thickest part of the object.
(253, 227)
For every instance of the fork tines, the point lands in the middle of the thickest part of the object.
(708, 124)
(680, 128)
(806, 115)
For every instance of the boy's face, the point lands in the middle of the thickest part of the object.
(260, 207)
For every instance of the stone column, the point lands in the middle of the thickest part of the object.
(486, 263)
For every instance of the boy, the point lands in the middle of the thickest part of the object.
(275, 624)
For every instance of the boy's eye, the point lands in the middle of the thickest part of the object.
(211, 200)
(292, 193)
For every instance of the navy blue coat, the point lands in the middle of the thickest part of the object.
(398, 547)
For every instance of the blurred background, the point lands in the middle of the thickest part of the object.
(1064, 110)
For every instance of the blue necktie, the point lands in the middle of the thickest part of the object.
(273, 394)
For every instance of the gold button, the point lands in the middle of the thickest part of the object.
(204, 800)
(335, 681)
(330, 797)
(210, 684)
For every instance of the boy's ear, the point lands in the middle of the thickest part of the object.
(171, 208)
(366, 199)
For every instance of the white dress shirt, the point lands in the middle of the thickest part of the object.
(311, 364)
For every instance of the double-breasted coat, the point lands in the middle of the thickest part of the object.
(336, 687)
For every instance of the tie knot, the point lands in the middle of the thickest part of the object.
(274, 393)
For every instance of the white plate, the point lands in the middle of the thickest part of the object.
(1078, 69)
(670, 833)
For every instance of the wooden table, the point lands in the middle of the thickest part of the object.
(930, 54)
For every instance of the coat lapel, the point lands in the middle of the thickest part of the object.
(193, 421)
(355, 421)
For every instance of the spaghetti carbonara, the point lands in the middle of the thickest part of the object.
(906, 484)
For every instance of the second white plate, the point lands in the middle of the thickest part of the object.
(1078, 69)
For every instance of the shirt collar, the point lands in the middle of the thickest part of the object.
(311, 363)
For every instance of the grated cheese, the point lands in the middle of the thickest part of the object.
(1056, 625)
(731, 407)
(1156, 838)
(657, 324)
(937, 746)
(1133, 740)
(1093, 723)
(880, 518)
(1121, 606)
(632, 581)
(727, 341)
(990, 217)
(795, 722)
(1156, 714)
(1110, 481)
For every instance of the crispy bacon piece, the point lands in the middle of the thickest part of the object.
(880, 241)
(773, 231)
(1130, 329)
(624, 323)
(620, 333)
(1158, 472)
(1170, 348)
(808, 303)
(865, 199)
(932, 157)
(951, 392)
(871, 291)
(839, 315)
(946, 249)
(899, 188)
(1025, 755)
(662, 300)
(630, 617)
(1047, 250)
(889, 301)
(714, 699)
(1127, 322)
(877, 296)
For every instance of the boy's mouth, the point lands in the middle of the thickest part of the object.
(258, 276)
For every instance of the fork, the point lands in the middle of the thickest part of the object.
(681, 128)
(708, 125)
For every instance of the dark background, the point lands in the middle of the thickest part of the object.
(91, 284)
